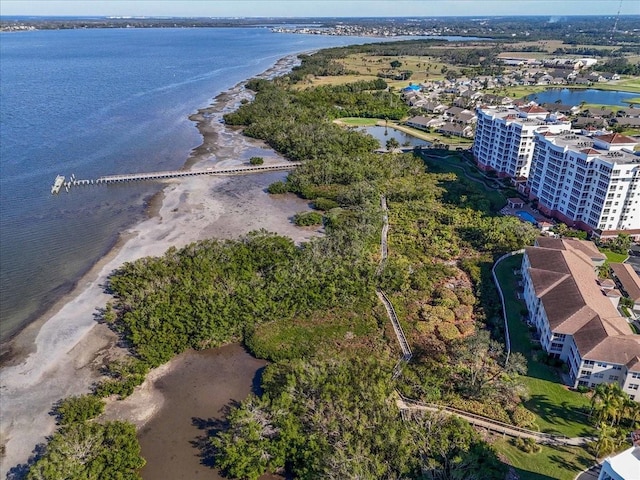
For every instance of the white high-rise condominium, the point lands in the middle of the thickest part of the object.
(592, 183)
(504, 137)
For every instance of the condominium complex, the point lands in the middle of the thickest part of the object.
(590, 182)
(576, 316)
(504, 138)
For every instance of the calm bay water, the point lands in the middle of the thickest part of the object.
(569, 96)
(96, 102)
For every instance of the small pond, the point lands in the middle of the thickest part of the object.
(569, 96)
(383, 134)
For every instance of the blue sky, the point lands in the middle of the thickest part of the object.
(317, 8)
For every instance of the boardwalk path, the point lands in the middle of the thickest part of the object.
(407, 405)
(391, 313)
(61, 182)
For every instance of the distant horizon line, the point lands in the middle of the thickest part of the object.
(139, 17)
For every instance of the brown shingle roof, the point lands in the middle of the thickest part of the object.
(549, 242)
(607, 283)
(612, 138)
(563, 277)
(628, 278)
(634, 363)
(589, 248)
(533, 109)
(620, 349)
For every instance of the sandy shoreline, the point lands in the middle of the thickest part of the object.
(61, 353)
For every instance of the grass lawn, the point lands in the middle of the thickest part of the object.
(302, 336)
(358, 122)
(613, 257)
(626, 84)
(452, 162)
(560, 463)
(558, 409)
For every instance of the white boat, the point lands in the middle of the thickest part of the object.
(57, 184)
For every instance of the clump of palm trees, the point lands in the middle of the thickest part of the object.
(615, 415)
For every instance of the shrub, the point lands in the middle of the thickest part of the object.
(527, 445)
(466, 327)
(125, 377)
(277, 187)
(491, 410)
(523, 418)
(465, 296)
(256, 160)
(306, 219)
(464, 313)
(324, 204)
(445, 297)
(78, 409)
(448, 331)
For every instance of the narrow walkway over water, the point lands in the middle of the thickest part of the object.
(61, 182)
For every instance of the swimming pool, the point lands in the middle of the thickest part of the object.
(526, 216)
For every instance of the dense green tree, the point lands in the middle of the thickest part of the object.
(78, 409)
(90, 451)
(333, 419)
(392, 144)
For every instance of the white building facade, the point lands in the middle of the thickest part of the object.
(574, 317)
(623, 466)
(591, 183)
(504, 138)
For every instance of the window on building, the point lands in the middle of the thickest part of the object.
(585, 373)
(633, 386)
(613, 378)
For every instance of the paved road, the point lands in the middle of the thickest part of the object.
(591, 474)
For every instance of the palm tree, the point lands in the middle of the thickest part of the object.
(392, 144)
(632, 412)
(607, 440)
(607, 402)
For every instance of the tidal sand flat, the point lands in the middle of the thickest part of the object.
(194, 394)
(69, 347)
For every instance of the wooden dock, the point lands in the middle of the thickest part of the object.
(136, 177)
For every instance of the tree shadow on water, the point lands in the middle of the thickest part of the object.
(256, 382)
(209, 428)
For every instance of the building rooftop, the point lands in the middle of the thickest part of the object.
(563, 275)
(629, 279)
(625, 465)
(605, 147)
(526, 115)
